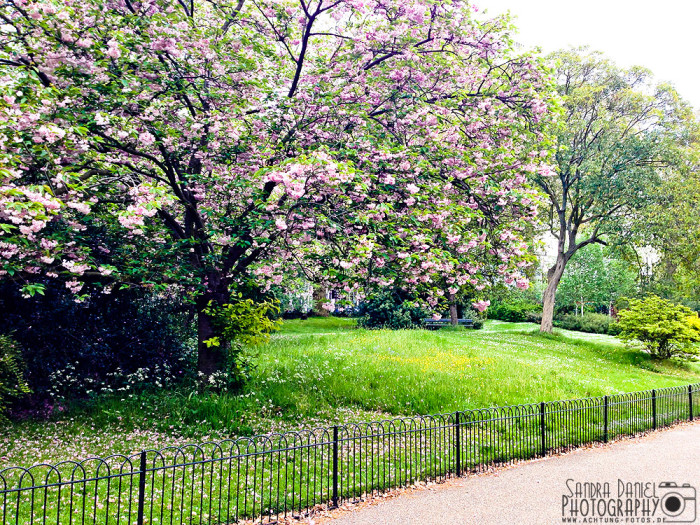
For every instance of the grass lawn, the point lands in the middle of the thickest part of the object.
(324, 371)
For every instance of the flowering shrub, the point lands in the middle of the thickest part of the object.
(694, 322)
(474, 315)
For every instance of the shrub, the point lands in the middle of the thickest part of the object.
(694, 322)
(588, 322)
(241, 324)
(74, 350)
(661, 326)
(614, 328)
(533, 317)
(470, 313)
(12, 383)
(390, 310)
(515, 311)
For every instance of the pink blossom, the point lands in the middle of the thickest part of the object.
(74, 286)
(546, 171)
(481, 305)
(146, 139)
(113, 49)
(80, 206)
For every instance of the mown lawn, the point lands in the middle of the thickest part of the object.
(325, 371)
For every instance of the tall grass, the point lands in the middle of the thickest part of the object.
(324, 371)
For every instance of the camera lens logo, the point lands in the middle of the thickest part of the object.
(678, 503)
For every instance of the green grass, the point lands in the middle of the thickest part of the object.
(325, 371)
(416, 371)
(318, 325)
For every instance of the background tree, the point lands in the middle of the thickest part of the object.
(595, 278)
(612, 144)
(670, 225)
(208, 143)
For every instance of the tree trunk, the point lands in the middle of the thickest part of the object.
(553, 277)
(454, 317)
(319, 298)
(210, 358)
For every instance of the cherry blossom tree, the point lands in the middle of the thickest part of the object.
(201, 144)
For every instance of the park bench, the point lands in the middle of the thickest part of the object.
(434, 324)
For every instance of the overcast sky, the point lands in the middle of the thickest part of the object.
(663, 36)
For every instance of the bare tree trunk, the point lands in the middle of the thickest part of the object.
(454, 318)
(211, 358)
(553, 277)
(319, 299)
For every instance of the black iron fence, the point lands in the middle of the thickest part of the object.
(273, 477)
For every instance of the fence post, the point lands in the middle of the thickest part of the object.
(458, 447)
(142, 488)
(544, 443)
(335, 465)
(605, 419)
(690, 402)
(653, 407)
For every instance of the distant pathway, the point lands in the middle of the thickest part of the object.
(531, 493)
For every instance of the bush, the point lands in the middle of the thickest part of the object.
(694, 322)
(12, 384)
(390, 310)
(661, 327)
(588, 322)
(240, 324)
(614, 328)
(76, 350)
(470, 313)
(533, 317)
(515, 311)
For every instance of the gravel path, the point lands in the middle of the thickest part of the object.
(531, 493)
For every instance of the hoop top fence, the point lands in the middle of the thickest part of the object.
(274, 476)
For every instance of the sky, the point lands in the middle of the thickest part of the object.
(663, 36)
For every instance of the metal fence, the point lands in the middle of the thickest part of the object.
(278, 476)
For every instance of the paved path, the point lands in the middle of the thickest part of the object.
(531, 493)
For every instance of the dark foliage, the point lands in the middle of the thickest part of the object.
(12, 370)
(98, 341)
(390, 309)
